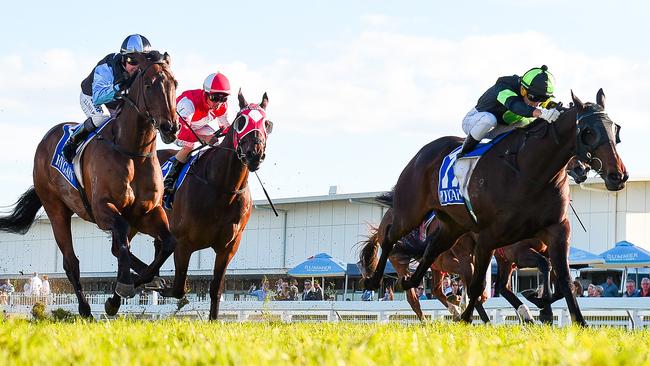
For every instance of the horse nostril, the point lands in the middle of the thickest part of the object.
(615, 176)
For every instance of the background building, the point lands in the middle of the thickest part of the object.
(333, 223)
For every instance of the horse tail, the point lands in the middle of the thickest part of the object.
(385, 198)
(368, 254)
(24, 214)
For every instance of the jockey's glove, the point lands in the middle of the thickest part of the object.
(549, 114)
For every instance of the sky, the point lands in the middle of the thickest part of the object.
(355, 88)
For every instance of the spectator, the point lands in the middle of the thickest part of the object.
(598, 291)
(577, 288)
(284, 294)
(419, 292)
(609, 288)
(367, 295)
(260, 293)
(45, 290)
(6, 289)
(630, 289)
(293, 290)
(319, 291)
(590, 290)
(311, 293)
(446, 285)
(645, 287)
(36, 285)
(388, 294)
(27, 289)
(455, 289)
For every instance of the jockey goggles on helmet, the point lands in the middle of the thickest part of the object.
(218, 97)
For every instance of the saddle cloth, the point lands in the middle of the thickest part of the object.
(72, 172)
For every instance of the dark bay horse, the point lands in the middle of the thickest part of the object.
(211, 208)
(123, 185)
(519, 190)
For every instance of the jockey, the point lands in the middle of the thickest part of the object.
(197, 108)
(512, 101)
(102, 89)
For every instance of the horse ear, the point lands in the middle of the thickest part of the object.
(600, 98)
(167, 58)
(265, 101)
(242, 101)
(578, 103)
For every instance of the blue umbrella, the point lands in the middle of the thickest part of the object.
(320, 265)
(626, 254)
(579, 257)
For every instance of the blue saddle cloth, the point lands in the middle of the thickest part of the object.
(448, 186)
(58, 160)
(181, 177)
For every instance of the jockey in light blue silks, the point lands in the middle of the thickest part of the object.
(102, 89)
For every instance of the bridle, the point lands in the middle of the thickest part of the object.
(146, 114)
(606, 130)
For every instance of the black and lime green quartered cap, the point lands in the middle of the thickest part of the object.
(538, 81)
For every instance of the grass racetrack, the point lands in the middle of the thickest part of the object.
(178, 342)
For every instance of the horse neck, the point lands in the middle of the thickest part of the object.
(226, 170)
(133, 133)
(546, 160)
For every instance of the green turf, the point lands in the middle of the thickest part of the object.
(176, 342)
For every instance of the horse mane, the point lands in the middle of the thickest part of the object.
(386, 198)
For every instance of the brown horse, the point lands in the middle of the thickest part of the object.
(123, 186)
(518, 190)
(458, 259)
(211, 208)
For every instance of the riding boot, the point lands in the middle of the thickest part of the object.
(170, 179)
(77, 137)
(469, 145)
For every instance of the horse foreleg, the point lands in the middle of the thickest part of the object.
(60, 219)
(182, 255)
(224, 255)
(155, 224)
(482, 259)
(557, 238)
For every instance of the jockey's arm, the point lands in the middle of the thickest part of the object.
(515, 104)
(103, 88)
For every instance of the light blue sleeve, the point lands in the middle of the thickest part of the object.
(103, 88)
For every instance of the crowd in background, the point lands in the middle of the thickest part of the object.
(285, 290)
(35, 286)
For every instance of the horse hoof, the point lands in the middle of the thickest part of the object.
(156, 284)
(111, 306)
(84, 310)
(126, 291)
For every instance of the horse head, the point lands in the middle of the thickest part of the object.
(154, 89)
(597, 136)
(250, 131)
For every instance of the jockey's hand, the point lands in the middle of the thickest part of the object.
(549, 114)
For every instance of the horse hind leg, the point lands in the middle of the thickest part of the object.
(60, 219)
(477, 286)
(182, 256)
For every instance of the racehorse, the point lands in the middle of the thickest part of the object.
(528, 253)
(212, 206)
(458, 259)
(518, 190)
(122, 179)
